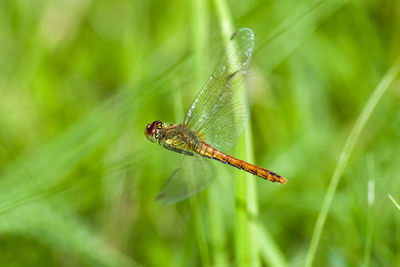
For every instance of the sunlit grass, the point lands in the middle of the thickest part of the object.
(246, 209)
(199, 36)
(394, 201)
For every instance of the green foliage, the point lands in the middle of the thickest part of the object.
(79, 81)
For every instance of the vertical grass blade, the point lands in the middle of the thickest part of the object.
(217, 255)
(196, 205)
(370, 218)
(246, 246)
(345, 155)
(269, 251)
(199, 36)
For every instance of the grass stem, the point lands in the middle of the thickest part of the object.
(246, 231)
(370, 218)
(394, 201)
(345, 155)
(199, 37)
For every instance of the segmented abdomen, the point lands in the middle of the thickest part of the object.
(208, 151)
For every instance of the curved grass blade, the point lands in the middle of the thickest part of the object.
(345, 155)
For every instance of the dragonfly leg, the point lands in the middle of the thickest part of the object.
(178, 150)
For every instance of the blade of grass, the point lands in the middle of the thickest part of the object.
(370, 222)
(241, 238)
(270, 252)
(196, 205)
(394, 201)
(217, 227)
(199, 35)
(246, 246)
(345, 155)
(252, 204)
(215, 219)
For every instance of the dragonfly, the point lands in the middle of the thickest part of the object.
(212, 125)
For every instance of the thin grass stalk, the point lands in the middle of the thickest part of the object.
(269, 251)
(252, 204)
(394, 201)
(240, 235)
(217, 241)
(196, 205)
(345, 155)
(199, 36)
(370, 222)
(246, 246)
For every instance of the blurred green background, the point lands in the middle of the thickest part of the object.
(79, 81)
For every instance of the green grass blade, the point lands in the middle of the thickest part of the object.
(270, 252)
(394, 201)
(199, 37)
(370, 218)
(246, 243)
(196, 205)
(345, 155)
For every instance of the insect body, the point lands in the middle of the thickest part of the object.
(212, 125)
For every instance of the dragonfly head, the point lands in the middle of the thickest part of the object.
(152, 131)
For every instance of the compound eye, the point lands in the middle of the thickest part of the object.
(148, 129)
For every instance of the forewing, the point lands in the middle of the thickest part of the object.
(194, 174)
(219, 111)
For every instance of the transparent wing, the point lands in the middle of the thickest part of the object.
(193, 176)
(219, 111)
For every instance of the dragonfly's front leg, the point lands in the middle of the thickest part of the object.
(178, 150)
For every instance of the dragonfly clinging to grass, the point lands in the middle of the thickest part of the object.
(212, 124)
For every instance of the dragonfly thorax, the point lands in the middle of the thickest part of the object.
(153, 130)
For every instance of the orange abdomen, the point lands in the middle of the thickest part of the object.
(208, 151)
